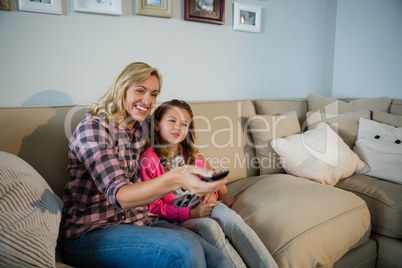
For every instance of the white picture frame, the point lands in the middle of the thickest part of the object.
(110, 7)
(155, 8)
(246, 18)
(41, 6)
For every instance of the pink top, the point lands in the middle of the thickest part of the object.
(150, 168)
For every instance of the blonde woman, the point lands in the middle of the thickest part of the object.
(106, 221)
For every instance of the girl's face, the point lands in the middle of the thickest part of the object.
(140, 98)
(173, 126)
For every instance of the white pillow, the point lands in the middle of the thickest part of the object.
(379, 145)
(319, 155)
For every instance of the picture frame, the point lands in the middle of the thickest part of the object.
(209, 11)
(246, 18)
(112, 7)
(41, 6)
(5, 5)
(155, 8)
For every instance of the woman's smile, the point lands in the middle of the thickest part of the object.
(140, 98)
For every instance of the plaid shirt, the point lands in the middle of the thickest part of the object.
(102, 158)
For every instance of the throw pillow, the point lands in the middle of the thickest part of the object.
(335, 106)
(380, 146)
(264, 128)
(30, 216)
(319, 155)
(387, 118)
(346, 125)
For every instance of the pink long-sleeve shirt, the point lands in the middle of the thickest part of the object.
(150, 167)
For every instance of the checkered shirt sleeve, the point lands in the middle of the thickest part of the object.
(102, 158)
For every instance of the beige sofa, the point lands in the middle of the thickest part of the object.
(357, 223)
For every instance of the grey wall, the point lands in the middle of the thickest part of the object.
(340, 48)
(368, 48)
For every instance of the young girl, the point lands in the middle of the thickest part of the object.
(171, 145)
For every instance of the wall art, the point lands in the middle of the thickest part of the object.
(246, 18)
(156, 8)
(5, 5)
(111, 7)
(210, 11)
(41, 6)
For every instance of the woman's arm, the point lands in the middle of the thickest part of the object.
(223, 193)
(146, 192)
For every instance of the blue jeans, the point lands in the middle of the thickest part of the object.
(138, 246)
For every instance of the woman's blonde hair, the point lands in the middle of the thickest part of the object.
(112, 103)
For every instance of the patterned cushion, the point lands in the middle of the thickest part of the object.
(30, 216)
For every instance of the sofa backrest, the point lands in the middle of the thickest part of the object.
(300, 105)
(396, 106)
(281, 106)
(223, 138)
(39, 135)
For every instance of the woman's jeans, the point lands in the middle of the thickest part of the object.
(138, 246)
(227, 231)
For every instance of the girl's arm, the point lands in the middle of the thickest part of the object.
(137, 194)
(150, 168)
(168, 211)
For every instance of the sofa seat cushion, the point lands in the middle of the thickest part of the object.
(30, 215)
(303, 223)
(384, 200)
(389, 251)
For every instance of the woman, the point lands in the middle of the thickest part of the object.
(106, 221)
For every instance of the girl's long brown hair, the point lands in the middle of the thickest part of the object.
(187, 145)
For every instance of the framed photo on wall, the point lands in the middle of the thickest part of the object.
(156, 8)
(5, 5)
(246, 18)
(111, 7)
(210, 11)
(41, 6)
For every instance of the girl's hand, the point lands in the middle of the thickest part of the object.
(208, 198)
(189, 177)
(203, 210)
(227, 199)
(225, 196)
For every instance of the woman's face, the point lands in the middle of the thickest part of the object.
(140, 98)
(173, 126)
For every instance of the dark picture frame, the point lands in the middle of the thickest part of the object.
(5, 5)
(212, 11)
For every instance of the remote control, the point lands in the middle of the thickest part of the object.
(218, 176)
